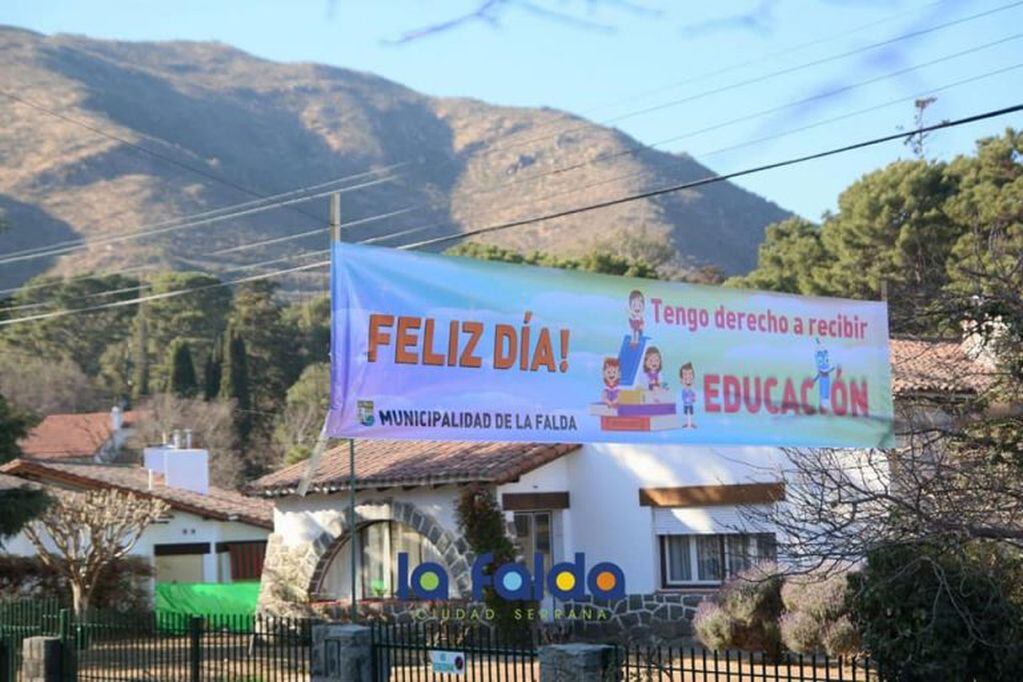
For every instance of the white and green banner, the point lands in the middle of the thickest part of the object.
(446, 348)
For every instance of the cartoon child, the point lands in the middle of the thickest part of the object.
(612, 378)
(637, 304)
(652, 366)
(823, 377)
(687, 375)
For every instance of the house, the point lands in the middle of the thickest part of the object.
(87, 437)
(210, 535)
(669, 516)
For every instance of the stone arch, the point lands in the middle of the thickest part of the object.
(454, 551)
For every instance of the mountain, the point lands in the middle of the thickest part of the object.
(206, 110)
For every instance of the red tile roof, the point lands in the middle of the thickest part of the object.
(383, 463)
(221, 504)
(936, 366)
(72, 436)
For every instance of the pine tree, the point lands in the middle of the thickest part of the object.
(234, 381)
(182, 381)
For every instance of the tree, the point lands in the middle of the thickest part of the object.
(305, 407)
(22, 503)
(212, 371)
(310, 321)
(47, 385)
(940, 517)
(272, 352)
(788, 259)
(596, 261)
(198, 317)
(182, 372)
(481, 522)
(234, 382)
(81, 338)
(89, 531)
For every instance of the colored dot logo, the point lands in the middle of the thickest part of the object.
(606, 581)
(565, 581)
(429, 580)
(511, 581)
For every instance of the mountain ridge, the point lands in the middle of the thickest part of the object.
(272, 127)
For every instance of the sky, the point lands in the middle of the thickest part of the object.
(734, 84)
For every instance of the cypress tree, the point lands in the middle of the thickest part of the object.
(140, 369)
(234, 381)
(182, 380)
(212, 371)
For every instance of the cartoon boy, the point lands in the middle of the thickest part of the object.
(687, 375)
(637, 304)
(823, 377)
(612, 378)
(652, 367)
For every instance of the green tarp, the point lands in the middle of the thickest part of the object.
(223, 605)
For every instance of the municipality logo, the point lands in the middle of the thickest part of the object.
(366, 417)
(567, 580)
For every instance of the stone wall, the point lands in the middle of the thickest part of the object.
(292, 573)
(642, 617)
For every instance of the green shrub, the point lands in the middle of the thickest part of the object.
(927, 614)
(815, 616)
(746, 617)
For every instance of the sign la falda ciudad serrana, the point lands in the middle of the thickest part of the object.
(431, 347)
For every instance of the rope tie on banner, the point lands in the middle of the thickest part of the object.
(314, 461)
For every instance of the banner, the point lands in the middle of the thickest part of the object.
(446, 348)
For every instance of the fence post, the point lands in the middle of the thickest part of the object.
(342, 653)
(577, 663)
(195, 647)
(42, 659)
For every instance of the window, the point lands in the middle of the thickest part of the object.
(533, 533)
(377, 555)
(709, 559)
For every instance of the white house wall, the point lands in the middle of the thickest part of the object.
(605, 519)
(180, 528)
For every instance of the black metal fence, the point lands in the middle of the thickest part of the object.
(424, 651)
(159, 646)
(678, 664)
(152, 646)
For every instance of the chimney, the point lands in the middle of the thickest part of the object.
(176, 438)
(186, 468)
(188, 439)
(116, 418)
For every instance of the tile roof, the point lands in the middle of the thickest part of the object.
(221, 504)
(383, 463)
(935, 366)
(72, 436)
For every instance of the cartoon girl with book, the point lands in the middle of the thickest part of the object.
(637, 305)
(612, 379)
(652, 363)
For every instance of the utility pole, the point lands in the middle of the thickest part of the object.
(353, 526)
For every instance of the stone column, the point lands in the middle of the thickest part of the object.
(342, 653)
(577, 663)
(41, 659)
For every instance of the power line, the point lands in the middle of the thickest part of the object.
(578, 188)
(423, 228)
(773, 74)
(720, 178)
(134, 145)
(627, 152)
(205, 221)
(233, 207)
(560, 214)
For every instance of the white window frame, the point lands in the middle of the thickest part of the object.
(694, 566)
